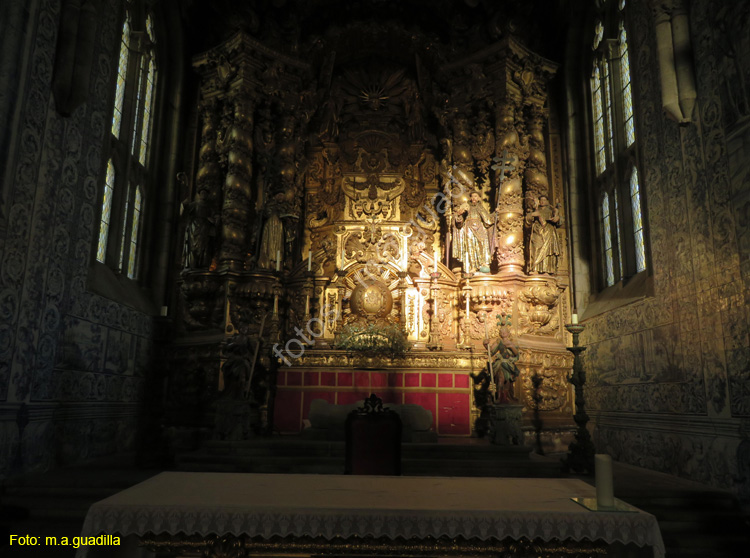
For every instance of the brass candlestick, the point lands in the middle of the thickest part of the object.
(434, 344)
(581, 451)
(341, 289)
(309, 290)
(466, 341)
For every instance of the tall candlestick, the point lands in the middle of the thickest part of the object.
(275, 304)
(278, 259)
(434, 269)
(309, 260)
(467, 304)
(605, 497)
(575, 319)
(307, 305)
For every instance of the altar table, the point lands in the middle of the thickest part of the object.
(309, 512)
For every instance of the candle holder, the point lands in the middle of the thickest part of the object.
(341, 289)
(434, 344)
(309, 290)
(467, 296)
(581, 451)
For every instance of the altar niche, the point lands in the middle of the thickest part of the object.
(375, 193)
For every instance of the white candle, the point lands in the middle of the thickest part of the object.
(575, 319)
(309, 260)
(307, 305)
(605, 497)
(435, 268)
(275, 304)
(278, 259)
(164, 311)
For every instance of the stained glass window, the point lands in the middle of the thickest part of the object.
(122, 72)
(627, 98)
(138, 90)
(150, 28)
(146, 129)
(130, 140)
(109, 184)
(622, 248)
(607, 241)
(608, 111)
(134, 232)
(635, 199)
(596, 87)
(124, 230)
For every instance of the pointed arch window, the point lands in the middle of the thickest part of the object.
(109, 183)
(622, 231)
(125, 189)
(607, 241)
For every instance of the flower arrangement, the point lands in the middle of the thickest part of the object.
(374, 340)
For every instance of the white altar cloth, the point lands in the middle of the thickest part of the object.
(344, 506)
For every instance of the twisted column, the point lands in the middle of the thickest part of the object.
(208, 177)
(236, 208)
(509, 162)
(535, 175)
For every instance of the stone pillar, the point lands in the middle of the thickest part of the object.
(236, 209)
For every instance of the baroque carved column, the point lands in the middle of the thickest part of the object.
(535, 175)
(236, 209)
(509, 164)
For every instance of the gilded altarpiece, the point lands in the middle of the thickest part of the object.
(426, 196)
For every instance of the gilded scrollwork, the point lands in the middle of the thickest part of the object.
(550, 391)
(538, 312)
(373, 196)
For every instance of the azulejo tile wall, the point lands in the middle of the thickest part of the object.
(685, 352)
(63, 350)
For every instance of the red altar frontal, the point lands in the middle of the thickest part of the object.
(423, 380)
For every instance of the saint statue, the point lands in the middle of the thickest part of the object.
(503, 355)
(200, 231)
(471, 235)
(544, 246)
(272, 242)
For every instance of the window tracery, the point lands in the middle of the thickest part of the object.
(622, 233)
(122, 203)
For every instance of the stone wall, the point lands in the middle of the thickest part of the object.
(76, 359)
(669, 375)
